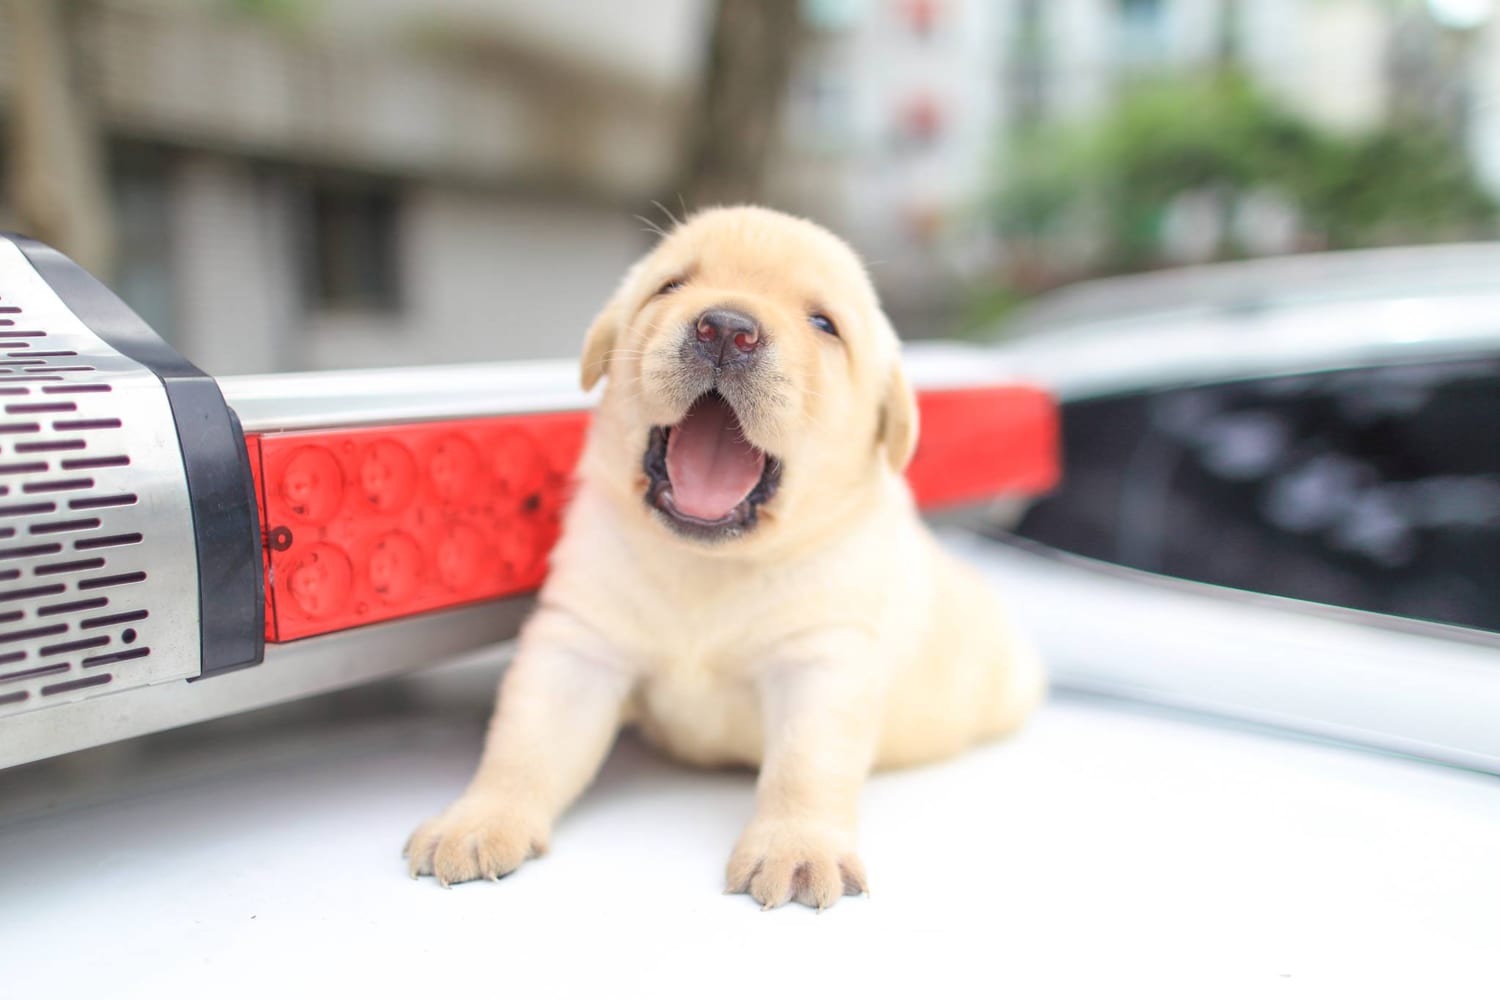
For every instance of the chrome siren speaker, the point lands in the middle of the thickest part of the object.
(129, 550)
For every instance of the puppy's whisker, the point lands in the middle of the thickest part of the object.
(667, 212)
(651, 226)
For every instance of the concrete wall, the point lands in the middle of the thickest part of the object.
(233, 267)
(488, 279)
(483, 276)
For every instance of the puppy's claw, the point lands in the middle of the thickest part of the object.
(855, 881)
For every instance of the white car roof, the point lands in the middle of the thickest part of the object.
(1276, 316)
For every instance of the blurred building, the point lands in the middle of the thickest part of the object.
(313, 183)
(902, 111)
(365, 182)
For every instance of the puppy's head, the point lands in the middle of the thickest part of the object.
(754, 387)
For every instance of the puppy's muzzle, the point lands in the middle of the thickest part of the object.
(726, 338)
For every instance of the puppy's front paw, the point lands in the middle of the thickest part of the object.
(475, 837)
(778, 862)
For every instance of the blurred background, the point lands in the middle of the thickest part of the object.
(294, 184)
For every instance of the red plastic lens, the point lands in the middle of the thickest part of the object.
(370, 524)
(311, 484)
(388, 476)
(364, 525)
(978, 444)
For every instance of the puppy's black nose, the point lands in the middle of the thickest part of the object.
(725, 337)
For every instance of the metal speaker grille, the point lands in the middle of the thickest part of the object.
(97, 569)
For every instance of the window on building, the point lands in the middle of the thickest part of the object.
(353, 258)
(140, 181)
(1142, 31)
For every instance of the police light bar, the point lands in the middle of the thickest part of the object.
(159, 528)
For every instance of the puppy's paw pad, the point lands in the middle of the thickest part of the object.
(474, 839)
(780, 864)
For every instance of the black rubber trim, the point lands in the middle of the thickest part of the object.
(226, 520)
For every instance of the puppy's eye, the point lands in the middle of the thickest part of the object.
(823, 323)
(670, 287)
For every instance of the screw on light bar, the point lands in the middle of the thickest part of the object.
(369, 524)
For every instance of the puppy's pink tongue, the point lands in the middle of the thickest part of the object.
(711, 465)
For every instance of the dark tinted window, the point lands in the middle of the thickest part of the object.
(1376, 489)
(353, 247)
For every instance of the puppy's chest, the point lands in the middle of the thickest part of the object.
(697, 696)
(702, 709)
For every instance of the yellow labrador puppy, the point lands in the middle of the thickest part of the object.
(742, 573)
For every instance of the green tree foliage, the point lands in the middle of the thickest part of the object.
(1113, 181)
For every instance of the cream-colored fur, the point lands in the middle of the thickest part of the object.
(833, 637)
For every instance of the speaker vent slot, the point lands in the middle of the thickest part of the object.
(58, 486)
(108, 541)
(53, 527)
(98, 582)
(72, 606)
(94, 503)
(59, 390)
(26, 509)
(26, 675)
(75, 646)
(120, 619)
(120, 657)
(31, 447)
(30, 592)
(107, 462)
(39, 632)
(76, 566)
(30, 550)
(82, 682)
(41, 408)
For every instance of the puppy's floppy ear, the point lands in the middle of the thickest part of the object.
(605, 331)
(898, 419)
(597, 344)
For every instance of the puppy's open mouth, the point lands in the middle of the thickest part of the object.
(704, 477)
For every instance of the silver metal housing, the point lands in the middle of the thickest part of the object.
(98, 578)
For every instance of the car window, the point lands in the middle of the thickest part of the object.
(1376, 489)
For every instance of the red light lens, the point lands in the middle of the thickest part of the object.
(320, 580)
(311, 484)
(366, 525)
(388, 476)
(980, 443)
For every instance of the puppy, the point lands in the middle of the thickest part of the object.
(742, 573)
